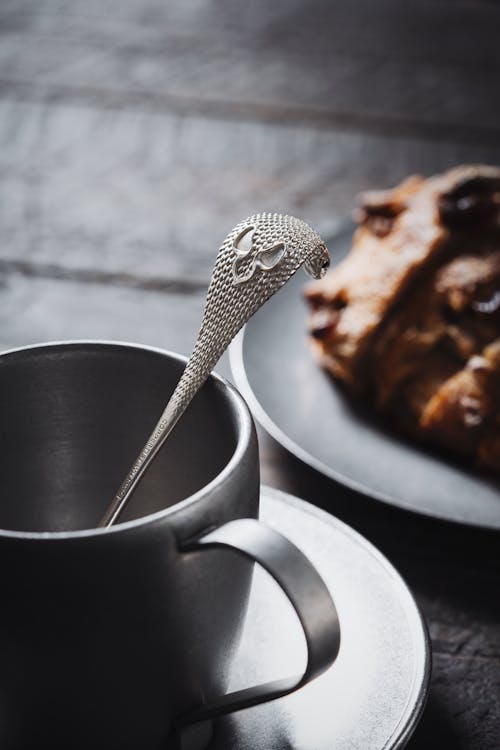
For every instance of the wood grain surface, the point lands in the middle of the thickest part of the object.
(135, 134)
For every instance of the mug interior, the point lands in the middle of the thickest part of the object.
(75, 416)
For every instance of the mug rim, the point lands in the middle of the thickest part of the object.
(244, 434)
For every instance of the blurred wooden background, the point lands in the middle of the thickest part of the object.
(134, 134)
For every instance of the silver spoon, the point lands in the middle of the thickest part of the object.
(256, 259)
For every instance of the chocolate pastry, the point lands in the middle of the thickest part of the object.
(410, 320)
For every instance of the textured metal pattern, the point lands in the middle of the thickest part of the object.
(255, 260)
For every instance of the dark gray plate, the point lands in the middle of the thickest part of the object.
(374, 694)
(300, 406)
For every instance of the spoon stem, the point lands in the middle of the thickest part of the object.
(177, 405)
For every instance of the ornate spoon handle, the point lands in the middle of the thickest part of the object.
(255, 260)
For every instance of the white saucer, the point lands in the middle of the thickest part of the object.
(374, 694)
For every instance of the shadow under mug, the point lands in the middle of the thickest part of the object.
(114, 638)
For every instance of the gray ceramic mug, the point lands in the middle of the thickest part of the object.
(114, 638)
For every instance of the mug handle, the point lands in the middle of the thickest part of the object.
(305, 590)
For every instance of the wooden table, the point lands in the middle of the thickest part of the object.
(136, 133)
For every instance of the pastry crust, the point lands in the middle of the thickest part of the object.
(410, 320)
